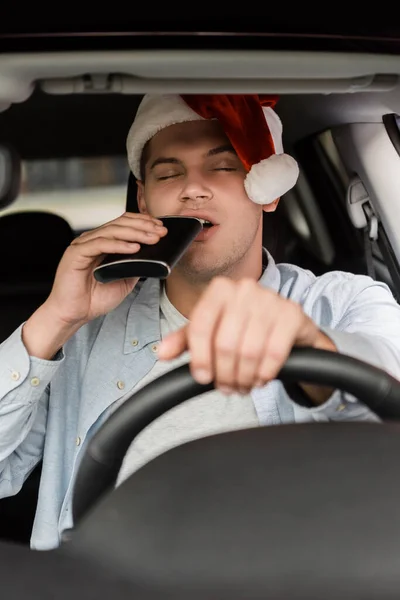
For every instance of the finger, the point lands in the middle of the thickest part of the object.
(130, 216)
(173, 345)
(201, 330)
(280, 342)
(145, 216)
(229, 335)
(252, 349)
(128, 234)
(83, 255)
(141, 222)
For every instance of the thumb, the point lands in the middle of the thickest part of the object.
(173, 345)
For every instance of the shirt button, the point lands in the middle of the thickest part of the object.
(135, 342)
(78, 441)
(120, 385)
(154, 347)
(35, 381)
(15, 375)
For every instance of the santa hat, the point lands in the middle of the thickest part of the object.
(250, 123)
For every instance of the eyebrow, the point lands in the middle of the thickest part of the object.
(221, 149)
(163, 160)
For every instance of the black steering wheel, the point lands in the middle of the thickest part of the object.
(100, 465)
(289, 512)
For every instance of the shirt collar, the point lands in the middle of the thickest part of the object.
(271, 277)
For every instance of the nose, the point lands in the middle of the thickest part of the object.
(195, 190)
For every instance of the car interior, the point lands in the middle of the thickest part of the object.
(67, 122)
(66, 118)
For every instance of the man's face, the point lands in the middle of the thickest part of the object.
(191, 169)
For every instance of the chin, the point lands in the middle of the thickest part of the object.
(200, 268)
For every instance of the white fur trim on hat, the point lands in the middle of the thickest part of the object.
(155, 112)
(272, 177)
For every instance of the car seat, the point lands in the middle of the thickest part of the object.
(31, 246)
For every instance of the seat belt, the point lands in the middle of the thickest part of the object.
(370, 235)
(363, 216)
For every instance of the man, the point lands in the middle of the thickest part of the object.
(227, 306)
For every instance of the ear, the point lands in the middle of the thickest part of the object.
(271, 207)
(140, 197)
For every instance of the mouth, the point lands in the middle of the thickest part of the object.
(206, 224)
(208, 230)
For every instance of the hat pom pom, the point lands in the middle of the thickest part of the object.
(269, 179)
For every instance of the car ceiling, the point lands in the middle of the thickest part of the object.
(74, 117)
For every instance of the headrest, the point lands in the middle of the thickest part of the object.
(32, 244)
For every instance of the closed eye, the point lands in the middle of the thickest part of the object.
(164, 177)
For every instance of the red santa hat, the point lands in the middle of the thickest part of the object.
(250, 123)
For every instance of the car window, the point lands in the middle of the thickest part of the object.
(87, 192)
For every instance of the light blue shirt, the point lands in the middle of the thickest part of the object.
(50, 409)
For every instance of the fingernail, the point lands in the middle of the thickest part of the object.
(260, 384)
(226, 390)
(202, 376)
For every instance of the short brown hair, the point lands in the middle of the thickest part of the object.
(143, 160)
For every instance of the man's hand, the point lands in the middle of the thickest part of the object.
(240, 335)
(76, 297)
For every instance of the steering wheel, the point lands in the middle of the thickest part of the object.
(103, 459)
(285, 512)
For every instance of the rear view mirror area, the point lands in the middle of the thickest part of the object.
(10, 174)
